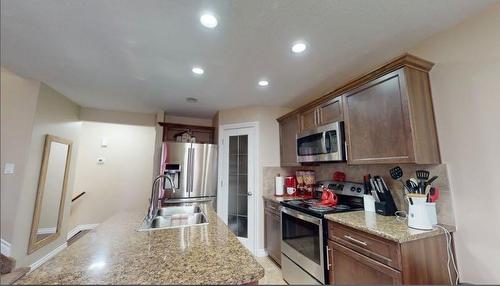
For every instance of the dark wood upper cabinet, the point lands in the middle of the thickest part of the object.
(203, 134)
(308, 119)
(330, 111)
(289, 127)
(325, 112)
(388, 115)
(391, 120)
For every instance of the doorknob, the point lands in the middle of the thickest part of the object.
(249, 194)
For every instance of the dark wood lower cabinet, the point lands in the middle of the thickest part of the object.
(272, 230)
(358, 257)
(350, 267)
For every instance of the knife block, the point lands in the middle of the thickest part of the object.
(386, 207)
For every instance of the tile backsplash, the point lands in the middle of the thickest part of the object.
(355, 173)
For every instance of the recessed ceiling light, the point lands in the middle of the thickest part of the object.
(208, 20)
(263, 83)
(197, 70)
(299, 47)
(192, 100)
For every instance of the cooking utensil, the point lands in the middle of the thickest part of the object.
(422, 176)
(412, 185)
(397, 174)
(427, 191)
(434, 194)
(431, 180)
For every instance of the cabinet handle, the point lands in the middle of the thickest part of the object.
(348, 237)
(328, 265)
(346, 151)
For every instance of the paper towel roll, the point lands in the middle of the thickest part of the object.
(280, 186)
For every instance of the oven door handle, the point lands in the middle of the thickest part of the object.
(302, 216)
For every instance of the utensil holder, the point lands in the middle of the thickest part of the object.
(421, 215)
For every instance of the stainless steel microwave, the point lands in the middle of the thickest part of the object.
(322, 144)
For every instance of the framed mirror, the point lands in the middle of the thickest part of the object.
(51, 193)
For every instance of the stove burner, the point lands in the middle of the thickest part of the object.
(312, 201)
(295, 202)
(342, 207)
(318, 208)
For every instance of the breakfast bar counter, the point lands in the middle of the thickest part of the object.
(116, 253)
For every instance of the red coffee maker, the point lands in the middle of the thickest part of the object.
(290, 186)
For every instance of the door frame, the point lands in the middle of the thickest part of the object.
(222, 196)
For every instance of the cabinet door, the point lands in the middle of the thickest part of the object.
(331, 111)
(309, 119)
(377, 122)
(289, 127)
(272, 236)
(350, 267)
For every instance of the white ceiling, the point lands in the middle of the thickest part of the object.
(138, 55)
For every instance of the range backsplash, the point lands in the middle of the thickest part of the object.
(355, 173)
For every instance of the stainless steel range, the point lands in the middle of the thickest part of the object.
(304, 232)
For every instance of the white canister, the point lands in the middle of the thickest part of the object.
(431, 212)
(369, 203)
(279, 186)
(418, 217)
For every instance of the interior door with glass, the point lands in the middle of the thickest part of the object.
(238, 178)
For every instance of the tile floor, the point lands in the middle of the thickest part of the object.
(272, 272)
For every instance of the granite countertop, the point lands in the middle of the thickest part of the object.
(115, 253)
(384, 226)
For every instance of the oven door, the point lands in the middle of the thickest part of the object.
(325, 143)
(302, 243)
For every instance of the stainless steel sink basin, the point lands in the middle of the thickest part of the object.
(175, 217)
(174, 210)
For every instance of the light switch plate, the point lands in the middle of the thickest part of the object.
(9, 168)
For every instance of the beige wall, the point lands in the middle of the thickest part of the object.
(466, 93)
(123, 182)
(188, 120)
(269, 143)
(18, 104)
(59, 116)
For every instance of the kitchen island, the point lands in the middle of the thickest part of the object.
(116, 253)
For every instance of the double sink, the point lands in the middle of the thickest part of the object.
(175, 216)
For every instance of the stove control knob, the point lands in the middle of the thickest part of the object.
(341, 187)
(353, 189)
(358, 190)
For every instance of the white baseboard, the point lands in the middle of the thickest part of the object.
(261, 252)
(5, 248)
(44, 259)
(79, 228)
(46, 230)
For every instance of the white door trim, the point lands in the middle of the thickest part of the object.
(257, 193)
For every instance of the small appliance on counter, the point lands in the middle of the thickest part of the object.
(291, 185)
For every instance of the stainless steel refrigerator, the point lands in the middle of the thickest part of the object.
(193, 170)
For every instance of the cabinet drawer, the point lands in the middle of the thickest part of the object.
(273, 207)
(348, 267)
(382, 250)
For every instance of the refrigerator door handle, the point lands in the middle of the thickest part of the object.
(191, 167)
(188, 171)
